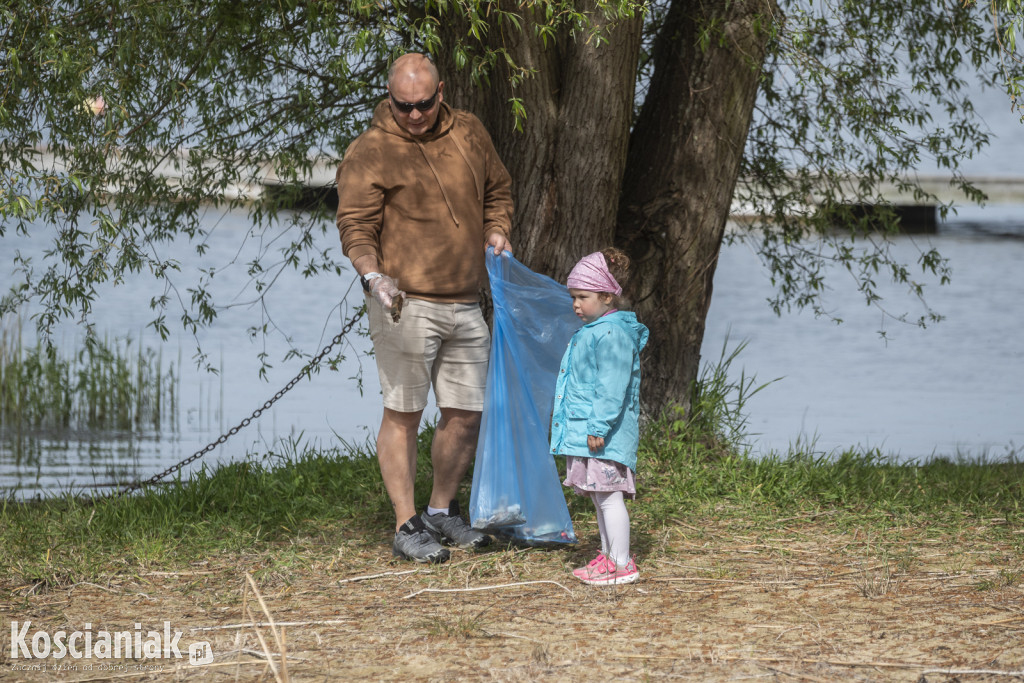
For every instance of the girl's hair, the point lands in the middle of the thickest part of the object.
(618, 266)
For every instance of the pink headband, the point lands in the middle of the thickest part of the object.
(591, 274)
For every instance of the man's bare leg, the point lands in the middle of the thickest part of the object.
(452, 452)
(396, 455)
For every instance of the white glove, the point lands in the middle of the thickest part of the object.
(386, 291)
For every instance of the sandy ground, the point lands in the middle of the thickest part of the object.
(716, 601)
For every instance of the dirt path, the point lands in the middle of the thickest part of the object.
(715, 602)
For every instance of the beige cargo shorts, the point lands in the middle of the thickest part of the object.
(443, 345)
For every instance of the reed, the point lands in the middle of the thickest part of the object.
(717, 417)
(105, 385)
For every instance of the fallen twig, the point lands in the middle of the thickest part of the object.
(691, 528)
(513, 635)
(247, 651)
(758, 582)
(973, 672)
(482, 588)
(246, 624)
(266, 651)
(375, 576)
(860, 570)
(181, 667)
(871, 663)
(1001, 621)
(283, 675)
(96, 585)
(806, 677)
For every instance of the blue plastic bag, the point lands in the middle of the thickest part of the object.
(516, 489)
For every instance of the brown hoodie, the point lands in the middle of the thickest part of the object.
(425, 206)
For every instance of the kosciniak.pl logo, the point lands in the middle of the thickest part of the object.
(88, 644)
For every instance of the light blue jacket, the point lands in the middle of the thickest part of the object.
(598, 390)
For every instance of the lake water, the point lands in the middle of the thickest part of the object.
(954, 388)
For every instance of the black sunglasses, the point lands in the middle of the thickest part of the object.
(422, 105)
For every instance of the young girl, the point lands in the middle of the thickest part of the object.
(595, 422)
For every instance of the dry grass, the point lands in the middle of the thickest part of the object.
(713, 603)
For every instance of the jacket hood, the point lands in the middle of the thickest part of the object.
(627, 321)
(384, 119)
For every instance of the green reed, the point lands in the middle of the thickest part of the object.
(105, 385)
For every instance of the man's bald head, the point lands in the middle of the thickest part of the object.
(415, 93)
(412, 67)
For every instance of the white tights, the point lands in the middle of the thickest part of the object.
(613, 523)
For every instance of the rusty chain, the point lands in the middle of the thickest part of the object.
(308, 368)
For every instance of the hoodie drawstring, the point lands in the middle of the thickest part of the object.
(438, 179)
(476, 180)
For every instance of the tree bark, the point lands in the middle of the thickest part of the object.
(568, 160)
(685, 155)
(583, 181)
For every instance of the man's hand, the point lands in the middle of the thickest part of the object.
(385, 291)
(500, 244)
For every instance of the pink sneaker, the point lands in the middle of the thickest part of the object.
(609, 575)
(598, 561)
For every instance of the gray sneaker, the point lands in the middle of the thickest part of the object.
(414, 541)
(454, 530)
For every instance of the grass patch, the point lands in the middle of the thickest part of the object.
(240, 506)
(319, 497)
(691, 468)
(679, 477)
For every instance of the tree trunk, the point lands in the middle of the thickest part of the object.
(582, 182)
(568, 161)
(684, 157)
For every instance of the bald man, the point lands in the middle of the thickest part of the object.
(421, 195)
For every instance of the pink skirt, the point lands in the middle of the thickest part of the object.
(586, 475)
